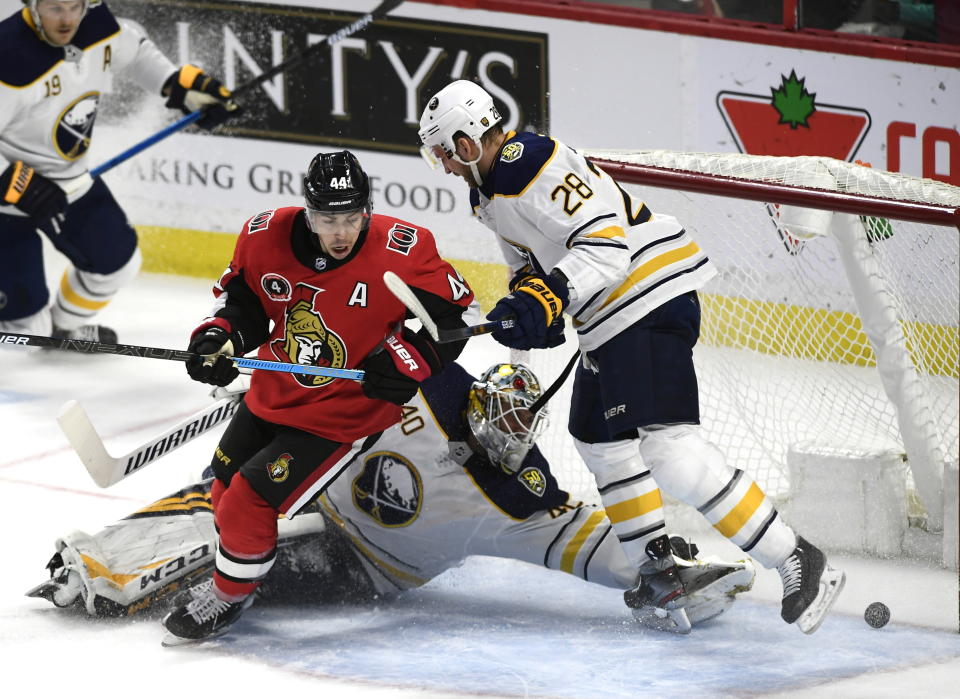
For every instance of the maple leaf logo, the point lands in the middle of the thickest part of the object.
(793, 102)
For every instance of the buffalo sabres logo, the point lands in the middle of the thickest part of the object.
(389, 489)
(278, 471)
(511, 152)
(532, 478)
(74, 128)
(307, 339)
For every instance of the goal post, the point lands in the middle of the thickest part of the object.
(832, 323)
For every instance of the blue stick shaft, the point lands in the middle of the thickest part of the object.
(146, 143)
(352, 374)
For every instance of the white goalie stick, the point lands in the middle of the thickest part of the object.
(106, 470)
(406, 296)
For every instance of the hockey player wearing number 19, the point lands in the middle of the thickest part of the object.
(56, 58)
(305, 285)
(628, 277)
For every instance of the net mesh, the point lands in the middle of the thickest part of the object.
(783, 360)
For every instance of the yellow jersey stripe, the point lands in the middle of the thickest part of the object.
(651, 266)
(608, 232)
(576, 543)
(635, 507)
(73, 297)
(741, 513)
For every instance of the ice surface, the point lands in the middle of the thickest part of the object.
(491, 628)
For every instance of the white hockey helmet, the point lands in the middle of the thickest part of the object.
(462, 106)
(499, 417)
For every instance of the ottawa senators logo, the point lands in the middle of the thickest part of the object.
(278, 471)
(307, 339)
(389, 489)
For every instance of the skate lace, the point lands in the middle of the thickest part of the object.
(790, 574)
(206, 605)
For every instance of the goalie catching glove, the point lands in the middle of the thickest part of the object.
(537, 302)
(214, 343)
(35, 195)
(395, 373)
(190, 89)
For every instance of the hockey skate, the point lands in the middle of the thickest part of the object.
(710, 587)
(659, 592)
(201, 616)
(810, 586)
(64, 588)
(87, 333)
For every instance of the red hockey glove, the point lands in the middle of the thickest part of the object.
(395, 373)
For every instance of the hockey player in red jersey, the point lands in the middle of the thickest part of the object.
(305, 285)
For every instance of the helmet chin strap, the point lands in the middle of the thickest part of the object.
(472, 164)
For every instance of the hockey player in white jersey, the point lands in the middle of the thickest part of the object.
(578, 244)
(460, 475)
(57, 57)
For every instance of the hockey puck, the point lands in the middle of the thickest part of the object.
(877, 614)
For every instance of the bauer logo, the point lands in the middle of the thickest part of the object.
(377, 81)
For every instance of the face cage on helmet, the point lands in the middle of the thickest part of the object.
(495, 408)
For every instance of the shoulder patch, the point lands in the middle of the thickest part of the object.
(511, 173)
(511, 152)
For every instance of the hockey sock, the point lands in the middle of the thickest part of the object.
(248, 539)
(629, 494)
(694, 471)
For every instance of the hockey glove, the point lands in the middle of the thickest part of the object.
(191, 89)
(395, 373)
(537, 303)
(215, 344)
(38, 197)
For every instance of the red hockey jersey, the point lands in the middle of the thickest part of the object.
(327, 313)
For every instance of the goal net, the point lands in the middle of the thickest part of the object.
(832, 323)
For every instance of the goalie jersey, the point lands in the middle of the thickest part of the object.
(553, 208)
(49, 95)
(417, 504)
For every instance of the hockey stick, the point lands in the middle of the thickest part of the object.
(90, 347)
(378, 12)
(406, 296)
(555, 386)
(106, 470)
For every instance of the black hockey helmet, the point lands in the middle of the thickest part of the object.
(335, 183)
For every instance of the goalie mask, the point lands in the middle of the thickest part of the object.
(499, 417)
(461, 107)
(335, 184)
